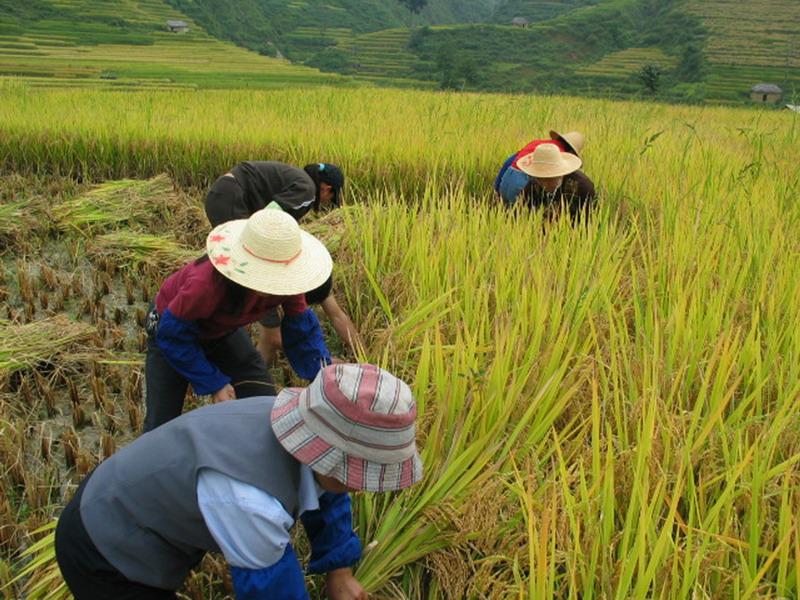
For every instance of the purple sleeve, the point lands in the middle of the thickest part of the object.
(177, 339)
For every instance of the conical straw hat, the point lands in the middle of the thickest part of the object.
(548, 161)
(574, 140)
(269, 253)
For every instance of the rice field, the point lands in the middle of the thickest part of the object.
(625, 63)
(606, 410)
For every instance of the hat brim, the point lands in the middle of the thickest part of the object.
(569, 163)
(310, 269)
(299, 440)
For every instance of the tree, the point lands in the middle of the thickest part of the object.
(650, 77)
(414, 7)
(690, 67)
(456, 72)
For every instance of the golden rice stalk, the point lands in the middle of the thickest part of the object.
(133, 249)
(127, 201)
(23, 346)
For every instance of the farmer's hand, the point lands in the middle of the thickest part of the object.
(222, 394)
(341, 585)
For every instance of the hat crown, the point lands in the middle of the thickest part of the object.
(573, 139)
(382, 398)
(547, 160)
(272, 235)
(364, 409)
(546, 153)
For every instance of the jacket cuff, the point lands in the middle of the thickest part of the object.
(343, 555)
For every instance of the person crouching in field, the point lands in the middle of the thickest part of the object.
(233, 478)
(253, 185)
(556, 183)
(511, 180)
(196, 329)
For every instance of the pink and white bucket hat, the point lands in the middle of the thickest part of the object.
(355, 423)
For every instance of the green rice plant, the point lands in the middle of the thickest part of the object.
(38, 575)
(112, 204)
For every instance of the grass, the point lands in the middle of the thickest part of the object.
(605, 410)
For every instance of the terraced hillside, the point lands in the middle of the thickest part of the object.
(750, 42)
(301, 28)
(126, 45)
(619, 68)
(382, 57)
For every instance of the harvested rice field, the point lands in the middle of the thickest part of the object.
(608, 410)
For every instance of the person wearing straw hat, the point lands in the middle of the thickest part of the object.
(254, 185)
(233, 478)
(556, 182)
(196, 329)
(510, 180)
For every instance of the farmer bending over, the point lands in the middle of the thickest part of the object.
(233, 478)
(195, 331)
(253, 185)
(556, 183)
(511, 180)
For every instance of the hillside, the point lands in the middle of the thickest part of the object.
(749, 43)
(699, 50)
(536, 10)
(589, 49)
(301, 28)
(125, 45)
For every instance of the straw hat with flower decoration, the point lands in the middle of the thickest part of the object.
(269, 253)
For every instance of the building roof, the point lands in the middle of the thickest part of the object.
(766, 88)
(177, 24)
(519, 21)
(794, 107)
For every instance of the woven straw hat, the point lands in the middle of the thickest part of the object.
(355, 423)
(548, 161)
(573, 140)
(269, 253)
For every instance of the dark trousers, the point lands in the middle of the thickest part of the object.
(87, 573)
(225, 201)
(235, 355)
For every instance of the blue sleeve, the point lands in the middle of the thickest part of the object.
(334, 544)
(304, 344)
(502, 172)
(177, 339)
(281, 581)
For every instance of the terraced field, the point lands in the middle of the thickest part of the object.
(749, 43)
(622, 64)
(125, 45)
(383, 57)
